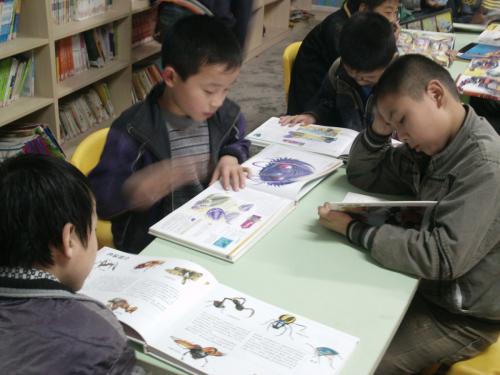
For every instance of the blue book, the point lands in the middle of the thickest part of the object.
(5, 19)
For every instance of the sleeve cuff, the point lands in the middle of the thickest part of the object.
(374, 141)
(361, 234)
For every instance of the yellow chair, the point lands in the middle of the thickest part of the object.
(85, 158)
(289, 55)
(486, 363)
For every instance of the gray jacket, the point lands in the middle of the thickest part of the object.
(46, 329)
(456, 251)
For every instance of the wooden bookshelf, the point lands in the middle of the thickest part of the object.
(38, 33)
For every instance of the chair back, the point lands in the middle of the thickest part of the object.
(289, 55)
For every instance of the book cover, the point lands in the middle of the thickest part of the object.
(181, 314)
(376, 211)
(327, 140)
(490, 35)
(434, 45)
(482, 77)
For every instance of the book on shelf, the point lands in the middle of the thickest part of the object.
(320, 139)
(226, 223)
(83, 112)
(490, 35)
(376, 211)
(482, 77)
(64, 11)
(181, 314)
(28, 139)
(16, 78)
(9, 19)
(143, 80)
(143, 27)
(434, 45)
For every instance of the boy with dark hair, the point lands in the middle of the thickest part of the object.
(450, 155)
(367, 46)
(163, 151)
(320, 48)
(48, 246)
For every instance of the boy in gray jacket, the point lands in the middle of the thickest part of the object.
(48, 246)
(452, 156)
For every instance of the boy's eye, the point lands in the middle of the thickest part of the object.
(209, 92)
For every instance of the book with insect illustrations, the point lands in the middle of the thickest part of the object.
(434, 45)
(226, 223)
(180, 314)
(327, 140)
(482, 77)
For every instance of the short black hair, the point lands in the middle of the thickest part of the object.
(367, 42)
(39, 194)
(371, 4)
(200, 40)
(410, 74)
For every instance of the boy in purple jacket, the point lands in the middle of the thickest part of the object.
(186, 134)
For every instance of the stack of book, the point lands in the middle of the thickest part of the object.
(143, 27)
(9, 19)
(64, 11)
(28, 139)
(92, 48)
(143, 81)
(17, 78)
(85, 111)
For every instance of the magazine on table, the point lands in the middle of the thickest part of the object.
(181, 314)
(434, 45)
(482, 77)
(226, 223)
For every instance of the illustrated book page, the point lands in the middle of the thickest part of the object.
(188, 319)
(223, 223)
(288, 172)
(434, 45)
(320, 139)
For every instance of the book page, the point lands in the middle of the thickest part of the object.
(146, 293)
(219, 221)
(288, 172)
(435, 46)
(482, 77)
(320, 139)
(231, 332)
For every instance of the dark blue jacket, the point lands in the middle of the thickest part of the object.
(341, 101)
(139, 138)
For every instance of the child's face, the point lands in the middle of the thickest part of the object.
(201, 94)
(422, 124)
(388, 9)
(364, 78)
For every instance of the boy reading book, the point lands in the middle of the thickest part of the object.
(163, 151)
(367, 45)
(452, 156)
(47, 248)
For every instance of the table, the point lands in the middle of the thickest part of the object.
(309, 270)
(458, 66)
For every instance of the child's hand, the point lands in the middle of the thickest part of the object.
(230, 172)
(337, 221)
(305, 119)
(379, 125)
(397, 29)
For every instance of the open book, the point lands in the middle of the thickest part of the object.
(182, 315)
(320, 139)
(482, 77)
(435, 46)
(376, 211)
(227, 223)
(490, 35)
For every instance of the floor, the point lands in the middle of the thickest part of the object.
(259, 87)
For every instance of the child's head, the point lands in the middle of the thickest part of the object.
(367, 46)
(387, 8)
(201, 58)
(47, 218)
(418, 98)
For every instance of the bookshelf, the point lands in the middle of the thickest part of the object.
(38, 33)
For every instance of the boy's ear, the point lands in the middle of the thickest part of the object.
(436, 92)
(68, 240)
(169, 76)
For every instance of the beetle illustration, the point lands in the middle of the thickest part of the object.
(196, 351)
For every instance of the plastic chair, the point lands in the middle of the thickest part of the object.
(488, 362)
(85, 158)
(289, 55)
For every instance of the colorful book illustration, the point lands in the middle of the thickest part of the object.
(376, 211)
(319, 139)
(227, 223)
(182, 315)
(288, 172)
(482, 77)
(478, 51)
(490, 35)
(434, 45)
